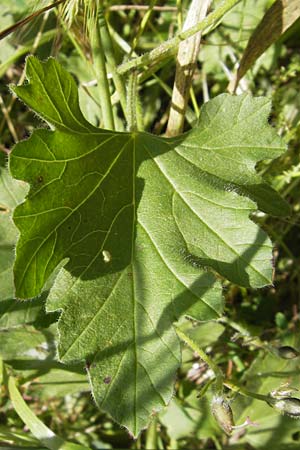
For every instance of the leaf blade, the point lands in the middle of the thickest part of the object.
(135, 218)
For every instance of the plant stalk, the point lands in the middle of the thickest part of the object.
(170, 47)
(141, 8)
(194, 346)
(240, 390)
(100, 71)
(143, 25)
(133, 117)
(111, 61)
(185, 67)
(151, 435)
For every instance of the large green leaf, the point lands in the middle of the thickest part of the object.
(135, 218)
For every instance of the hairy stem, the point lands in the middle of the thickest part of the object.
(170, 47)
(194, 346)
(132, 87)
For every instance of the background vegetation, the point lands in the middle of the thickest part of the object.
(245, 342)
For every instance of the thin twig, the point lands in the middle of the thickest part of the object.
(8, 120)
(141, 8)
(143, 25)
(27, 19)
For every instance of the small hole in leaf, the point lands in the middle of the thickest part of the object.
(40, 179)
(106, 256)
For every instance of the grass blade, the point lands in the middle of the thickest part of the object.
(35, 425)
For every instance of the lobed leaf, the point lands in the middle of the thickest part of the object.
(137, 219)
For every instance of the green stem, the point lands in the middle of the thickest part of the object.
(217, 371)
(2, 371)
(101, 74)
(240, 390)
(194, 102)
(179, 13)
(143, 25)
(151, 435)
(111, 61)
(84, 58)
(132, 100)
(216, 442)
(170, 47)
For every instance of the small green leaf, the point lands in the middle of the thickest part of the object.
(135, 218)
